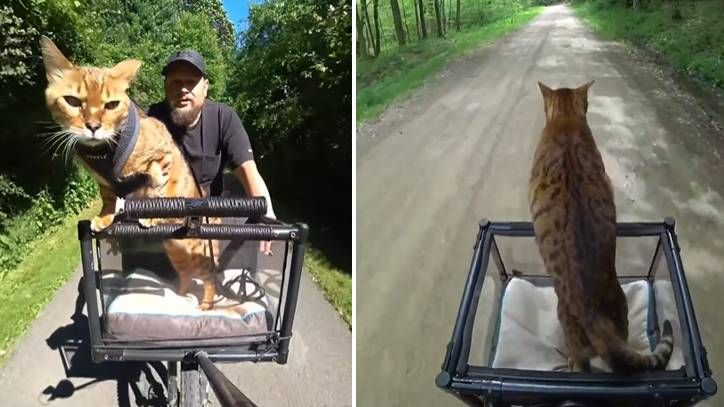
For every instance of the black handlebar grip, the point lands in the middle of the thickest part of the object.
(180, 231)
(182, 207)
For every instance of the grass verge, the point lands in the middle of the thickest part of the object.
(336, 284)
(326, 261)
(691, 39)
(27, 288)
(382, 80)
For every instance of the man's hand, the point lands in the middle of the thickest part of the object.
(254, 185)
(266, 246)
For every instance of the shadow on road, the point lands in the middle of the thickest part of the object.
(144, 383)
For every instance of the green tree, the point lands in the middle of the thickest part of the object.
(151, 31)
(292, 84)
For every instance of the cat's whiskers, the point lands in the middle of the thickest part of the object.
(71, 150)
(54, 140)
(64, 148)
(61, 145)
(58, 131)
(51, 139)
(49, 133)
(113, 140)
(70, 147)
(110, 142)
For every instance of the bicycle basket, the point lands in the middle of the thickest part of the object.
(507, 345)
(131, 284)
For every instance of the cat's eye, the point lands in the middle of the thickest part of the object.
(112, 105)
(73, 101)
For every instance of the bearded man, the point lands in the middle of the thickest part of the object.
(210, 134)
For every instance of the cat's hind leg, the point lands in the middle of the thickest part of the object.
(579, 347)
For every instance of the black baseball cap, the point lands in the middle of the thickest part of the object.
(190, 56)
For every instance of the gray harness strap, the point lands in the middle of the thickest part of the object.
(107, 160)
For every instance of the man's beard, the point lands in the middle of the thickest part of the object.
(184, 116)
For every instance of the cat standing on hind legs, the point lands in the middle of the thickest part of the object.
(127, 153)
(574, 219)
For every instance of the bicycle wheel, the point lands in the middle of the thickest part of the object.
(193, 386)
(150, 388)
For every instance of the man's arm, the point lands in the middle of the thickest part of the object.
(248, 174)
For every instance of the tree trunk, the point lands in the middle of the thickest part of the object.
(436, 4)
(422, 18)
(449, 15)
(376, 18)
(404, 19)
(417, 20)
(457, 16)
(444, 20)
(676, 12)
(383, 34)
(397, 19)
(361, 43)
(369, 28)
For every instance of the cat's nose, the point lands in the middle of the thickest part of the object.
(92, 126)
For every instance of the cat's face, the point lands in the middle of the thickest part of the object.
(565, 101)
(90, 104)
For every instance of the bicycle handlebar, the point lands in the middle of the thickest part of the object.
(226, 392)
(182, 207)
(206, 231)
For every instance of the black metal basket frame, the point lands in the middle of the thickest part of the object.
(275, 344)
(475, 384)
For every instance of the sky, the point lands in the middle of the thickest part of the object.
(238, 11)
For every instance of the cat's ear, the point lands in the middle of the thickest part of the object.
(53, 60)
(583, 89)
(126, 70)
(545, 90)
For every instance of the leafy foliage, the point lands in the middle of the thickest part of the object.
(11, 196)
(393, 74)
(46, 212)
(151, 31)
(691, 38)
(291, 84)
(15, 50)
(213, 10)
(474, 14)
(294, 55)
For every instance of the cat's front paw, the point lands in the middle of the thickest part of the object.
(146, 223)
(101, 222)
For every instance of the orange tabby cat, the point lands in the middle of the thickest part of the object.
(574, 218)
(128, 153)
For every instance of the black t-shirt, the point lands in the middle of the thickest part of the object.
(218, 139)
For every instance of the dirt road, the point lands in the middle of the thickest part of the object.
(461, 149)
